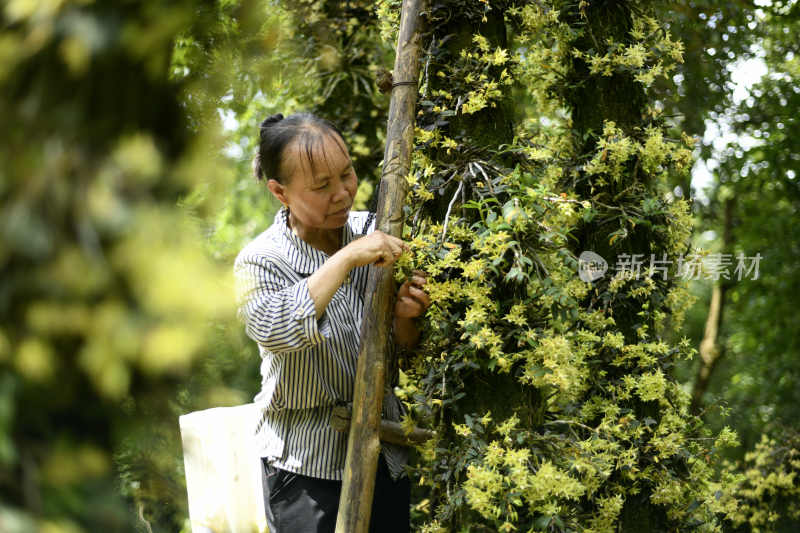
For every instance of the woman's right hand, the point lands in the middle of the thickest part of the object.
(378, 248)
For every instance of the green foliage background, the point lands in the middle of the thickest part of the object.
(544, 129)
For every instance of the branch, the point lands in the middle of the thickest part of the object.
(449, 208)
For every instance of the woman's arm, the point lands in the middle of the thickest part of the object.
(323, 283)
(276, 309)
(283, 315)
(377, 247)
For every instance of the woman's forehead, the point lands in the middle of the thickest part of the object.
(319, 154)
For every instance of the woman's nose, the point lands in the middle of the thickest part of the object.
(342, 192)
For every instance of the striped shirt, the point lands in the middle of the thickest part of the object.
(308, 365)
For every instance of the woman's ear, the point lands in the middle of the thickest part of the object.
(278, 191)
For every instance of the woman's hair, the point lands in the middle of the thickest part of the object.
(277, 132)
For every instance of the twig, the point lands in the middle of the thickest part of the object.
(448, 180)
(449, 208)
(463, 201)
(571, 423)
(485, 176)
(559, 199)
(143, 519)
(425, 73)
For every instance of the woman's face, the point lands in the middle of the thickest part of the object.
(320, 192)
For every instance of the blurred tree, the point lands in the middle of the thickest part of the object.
(716, 36)
(765, 486)
(108, 298)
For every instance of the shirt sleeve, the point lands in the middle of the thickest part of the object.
(277, 313)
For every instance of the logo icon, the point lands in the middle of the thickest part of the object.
(591, 266)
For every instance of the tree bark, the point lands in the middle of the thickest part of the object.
(481, 134)
(594, 99)
(363, 445)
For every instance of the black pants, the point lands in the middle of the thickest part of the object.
(300, 504)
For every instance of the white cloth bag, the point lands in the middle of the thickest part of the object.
(223, 470)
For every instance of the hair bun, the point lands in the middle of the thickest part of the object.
(272, 119)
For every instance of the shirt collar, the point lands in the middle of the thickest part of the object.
(312, 258)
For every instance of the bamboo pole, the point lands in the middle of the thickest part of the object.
(363, 445)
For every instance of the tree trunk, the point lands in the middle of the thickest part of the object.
(710, 350)
(594, 99)
(481, 134)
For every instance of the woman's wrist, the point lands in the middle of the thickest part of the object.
(346, 257)
(406, 332)
(343, 260)
(323, 283)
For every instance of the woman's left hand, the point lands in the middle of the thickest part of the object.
(412, 300)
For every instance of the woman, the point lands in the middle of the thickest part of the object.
(301, 285)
